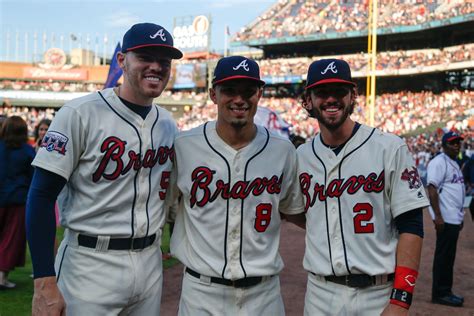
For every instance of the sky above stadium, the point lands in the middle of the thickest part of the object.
(57, 22)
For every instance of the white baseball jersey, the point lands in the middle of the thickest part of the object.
(352, 199)
(445, 175)
(117, 165)
(228, 221)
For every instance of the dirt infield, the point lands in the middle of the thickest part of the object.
(293, 277)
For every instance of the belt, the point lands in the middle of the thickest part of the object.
(245, 282)
(118, 243)
(358, 280)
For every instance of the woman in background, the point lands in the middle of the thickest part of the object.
(15, 178)
(40, 131)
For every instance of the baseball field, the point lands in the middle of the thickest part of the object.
(293, 278)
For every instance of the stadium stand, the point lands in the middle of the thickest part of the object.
(425, 67)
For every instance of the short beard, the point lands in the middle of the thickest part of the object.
(238, 124)
(316, 113)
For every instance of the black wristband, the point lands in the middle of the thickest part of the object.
(402, 296)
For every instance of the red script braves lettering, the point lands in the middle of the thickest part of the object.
(203, 176)
(114, 149)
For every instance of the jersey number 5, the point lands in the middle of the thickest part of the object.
(263, 215)
(164, 183)
(364, 214)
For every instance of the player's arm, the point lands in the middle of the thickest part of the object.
(410, 228)
(292, 205)
(434, 201)
(41, 231)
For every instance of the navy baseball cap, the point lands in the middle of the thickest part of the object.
(328, 71)
(450, 136)
(236, 67)
(150, 35)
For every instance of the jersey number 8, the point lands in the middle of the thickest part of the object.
(263, 215)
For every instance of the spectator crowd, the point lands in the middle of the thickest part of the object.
(387, 61)
(399, 113)
(303, 17)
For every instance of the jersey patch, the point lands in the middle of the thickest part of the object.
(55, 141)
(412, 177)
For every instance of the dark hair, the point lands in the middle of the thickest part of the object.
(44, 121)
(14, 132)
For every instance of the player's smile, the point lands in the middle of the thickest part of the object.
(332, 104)
(237, 102)
(148, 71)
(239, 110)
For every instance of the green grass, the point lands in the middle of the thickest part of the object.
(17, 302)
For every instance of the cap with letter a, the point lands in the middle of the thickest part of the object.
(236, 67)
(150, 35)
(328, 71)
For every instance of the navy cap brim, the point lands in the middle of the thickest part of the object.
(331, 80)
(173, 52)
(261, 82)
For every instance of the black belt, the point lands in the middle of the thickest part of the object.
(118, 243)
(357, 280)
(245, 282)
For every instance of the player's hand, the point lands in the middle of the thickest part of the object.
(439, 224)
(392, 309)
(47, 300)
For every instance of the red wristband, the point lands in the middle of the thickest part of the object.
(403, 286)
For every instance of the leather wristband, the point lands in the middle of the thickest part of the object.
(403, 286)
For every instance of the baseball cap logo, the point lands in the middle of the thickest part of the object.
(331, 67)
(160, 33)
(242, 64)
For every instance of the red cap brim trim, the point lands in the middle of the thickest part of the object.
(238, 77)
(454, 138)
(178, 53)
(332, 80)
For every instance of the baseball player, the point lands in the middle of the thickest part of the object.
(363, 200)
(112, 152)
(446, 191)
(233, 178)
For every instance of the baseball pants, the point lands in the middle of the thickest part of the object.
(329, 298)
(443, 262)
(204, 299)
(110, 282)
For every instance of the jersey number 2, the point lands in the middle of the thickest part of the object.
(263, 215)
(364, 214)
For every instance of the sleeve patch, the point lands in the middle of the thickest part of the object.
(55, 141)
(412, 177)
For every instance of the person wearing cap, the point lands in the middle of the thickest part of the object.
(447, 192)
(363, 201)
(232, 179)
(110, 153)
